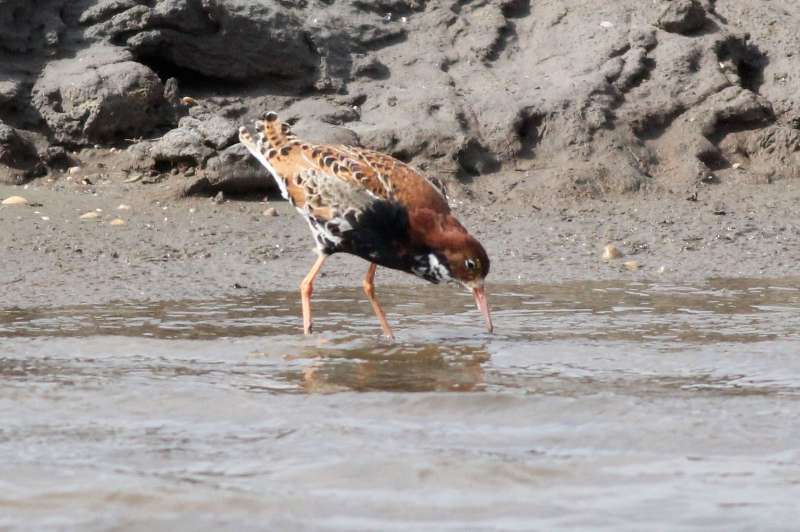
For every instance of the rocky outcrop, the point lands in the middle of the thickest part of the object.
(18, 156)
(682, 16)
(192, 143)
(234, 170)
(99, 97)
(201, 37)
(578, 98)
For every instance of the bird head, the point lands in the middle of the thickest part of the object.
(468, 265)
(455, 256)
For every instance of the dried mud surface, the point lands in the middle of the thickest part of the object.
(192, 248)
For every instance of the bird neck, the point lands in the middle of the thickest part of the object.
(435, 230)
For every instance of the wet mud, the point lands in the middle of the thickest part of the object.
(594, 406)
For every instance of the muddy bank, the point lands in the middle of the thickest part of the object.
(560, 127)
(662, 96)
(171, 248)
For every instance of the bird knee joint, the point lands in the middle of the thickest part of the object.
(369, 289)
(306, 288)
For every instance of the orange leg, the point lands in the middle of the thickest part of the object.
(369, 289)
(306, 289)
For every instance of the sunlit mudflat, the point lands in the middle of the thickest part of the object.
(593, 406)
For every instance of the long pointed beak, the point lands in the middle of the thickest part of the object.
(480, 300)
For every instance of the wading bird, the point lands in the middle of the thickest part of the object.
(371, 205)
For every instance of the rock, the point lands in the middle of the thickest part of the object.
(15, 150)
(769, 150)
(611, 252)
(91, 215)
(180, 146)
(217, 132)
(318, 112)
(235, 171)
(191, 144)
(104, 9)
(370, 67)
(682, 16)
(123, 207)
(56, 157)
(734, 105)
(475, 159)
(270, 212)
(72, 170)
(34, 28)
(216, 39)
(10, 93)
(324, 133)
(117, 222)
(219, 198)
(99, 96)
(14, 200)
(172, 90)
(479, 31)
(631, 265)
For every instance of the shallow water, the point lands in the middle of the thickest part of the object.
(593, 406)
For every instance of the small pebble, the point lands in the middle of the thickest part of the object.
(736, 166)
(46, 218)
(188, 100)
(15, 200)
(91, 215)
(123, 207)
(219, 198)
(117, 221)
(606, 24)
(270, 212)
(632, 265)
(73, 170)
(611, 252)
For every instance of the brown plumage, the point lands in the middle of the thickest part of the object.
(369, 204)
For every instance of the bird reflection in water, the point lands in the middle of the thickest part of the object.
(406, 367)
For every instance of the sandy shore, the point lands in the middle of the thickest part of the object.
(173, 248)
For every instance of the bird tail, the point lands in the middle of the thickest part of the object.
(274, 133)
(271, 143)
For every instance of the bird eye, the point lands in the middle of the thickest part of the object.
(470, 264)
